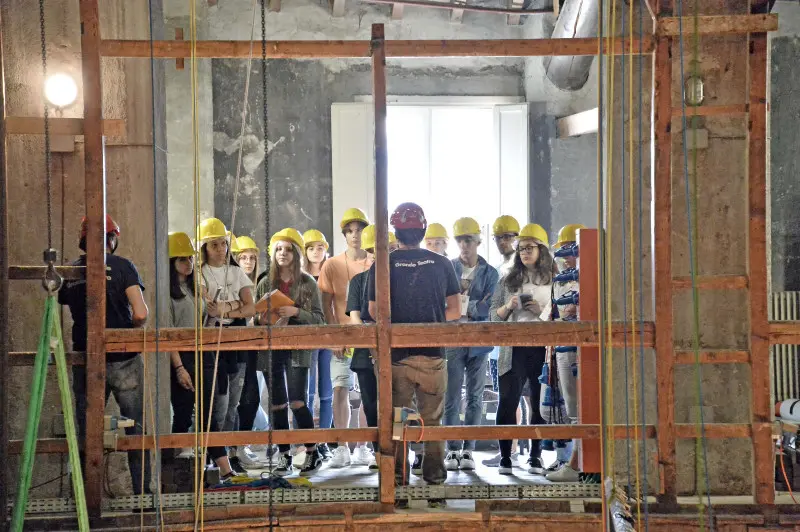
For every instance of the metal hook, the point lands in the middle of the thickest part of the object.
(52, 281)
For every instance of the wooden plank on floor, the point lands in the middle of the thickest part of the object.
(763, 449)
(395, 48)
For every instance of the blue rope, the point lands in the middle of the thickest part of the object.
(625, 273)
(692, 271)
(643, 442)
(157, 257)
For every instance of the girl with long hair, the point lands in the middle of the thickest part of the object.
(523, 295)
(183, 372)
(287, 371)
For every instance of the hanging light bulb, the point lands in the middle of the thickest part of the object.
(60, 90)
(693, 90)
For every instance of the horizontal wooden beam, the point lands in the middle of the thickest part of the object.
(36, 273)
(784, 332)
(713, 356)
(483, 432)
(581, 123)
(25, 358)
(710, 110)
(34, 125)
(717, 25)
(428, 335)
(399, 48)
(712, 282)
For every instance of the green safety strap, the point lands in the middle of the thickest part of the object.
(50, 340)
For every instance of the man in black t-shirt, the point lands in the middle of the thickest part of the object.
(125, 309)
(424, 289)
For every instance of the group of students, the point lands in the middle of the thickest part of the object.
(426, 287)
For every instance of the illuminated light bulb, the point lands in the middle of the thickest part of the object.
(60, 90)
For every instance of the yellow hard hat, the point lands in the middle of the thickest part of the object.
(312, 236)
(287, 235)
(353, 215)
(568, 233)
(368, 237)
(436, 231)
(504, 225)
(180, 245)
(245, 242)
(234, 246)
(536, 232)
(211, 228)
(466, 226)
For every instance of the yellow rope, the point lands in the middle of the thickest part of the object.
(631, 209)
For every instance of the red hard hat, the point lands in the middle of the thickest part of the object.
(111, 226)
(408, 216)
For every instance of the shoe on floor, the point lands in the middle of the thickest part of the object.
(495, 460)
(555, 466)
(373, 463)
(284, 467)
(466, 463)
(248, 458)
(362, 456)
(416, 467)
(341, 457)
(186, 452)
(536, 466)
(451, 461)
(258, 447)
(311, 464)
(564, 474)
(437, 503)
(236, 466)
(324, 451)
(401, 504)
(506, 467)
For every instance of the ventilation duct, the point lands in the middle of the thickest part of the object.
(578, 18)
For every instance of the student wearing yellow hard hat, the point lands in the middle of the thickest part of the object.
(334, 278)
(287, 376)
(478, 280)
(125, 309)
(316, 253)
(362, 363)
(523, 295)
(565, 366)
(505, 231)
(436, 239)
(246, 254)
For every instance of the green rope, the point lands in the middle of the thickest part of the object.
(50, 335)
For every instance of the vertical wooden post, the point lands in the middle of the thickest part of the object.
(589, 405)
(4, 339)
(95, 192)
(383, 319)
(763, 483)
(661, 176)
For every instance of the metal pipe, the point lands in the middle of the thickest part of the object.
(578, 18)
(463, 7)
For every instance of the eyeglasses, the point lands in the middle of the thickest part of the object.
(506, 237)
(527, 249)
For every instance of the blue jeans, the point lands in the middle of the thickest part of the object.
(460, 363)
(320, 382)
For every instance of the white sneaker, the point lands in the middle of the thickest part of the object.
(341, 456)
(373, 463)
(565, 474)
(466, 463)
(362, 456)
(258, 447)
(249, 459)
(186, 452)
(451, 461)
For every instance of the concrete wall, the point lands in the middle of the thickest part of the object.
(784, 159)
(130, 188)
(300, 94)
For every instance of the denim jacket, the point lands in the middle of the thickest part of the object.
(480, 295)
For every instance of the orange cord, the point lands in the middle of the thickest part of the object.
(783, 470)
(405, 443)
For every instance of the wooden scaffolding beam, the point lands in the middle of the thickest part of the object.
(5, 342)
(95, 194)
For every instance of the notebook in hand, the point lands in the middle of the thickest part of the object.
(275, 299)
